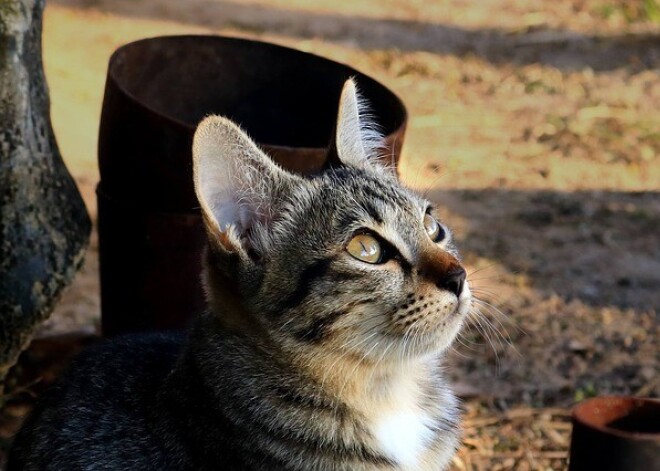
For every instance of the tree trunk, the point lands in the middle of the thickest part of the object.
(44, 226)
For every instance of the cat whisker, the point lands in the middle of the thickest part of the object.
(480, 289)
(454, 349)
(393, 153)
(478, 270)
(431, 185)
(481, 279)
(407, 336)
(349, 377)
(380, 359)
(498, 316)
(491, 335)
(347, 350)
(486, 293)
(490, 330)
(464, 340)
(413, 338)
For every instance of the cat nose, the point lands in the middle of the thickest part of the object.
(443, 270)
(453, 281)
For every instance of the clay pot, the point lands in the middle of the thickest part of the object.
(616, 434)
(157, 90)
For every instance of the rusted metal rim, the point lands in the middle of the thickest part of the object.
(615, 433)
(617, 415)
(126, 87)
(158, 89)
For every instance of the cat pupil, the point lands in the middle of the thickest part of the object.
(367, 252)
(364, 248)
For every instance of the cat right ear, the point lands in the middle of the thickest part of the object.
(356, 140)
(236, 184)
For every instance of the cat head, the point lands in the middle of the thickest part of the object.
(347, 259)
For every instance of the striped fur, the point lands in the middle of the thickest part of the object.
(307, 359)
(364, 340)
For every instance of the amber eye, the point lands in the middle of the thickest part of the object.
(433, 229)
(365, 248)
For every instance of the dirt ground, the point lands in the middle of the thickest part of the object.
(534, 124)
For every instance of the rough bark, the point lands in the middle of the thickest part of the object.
(44, 226)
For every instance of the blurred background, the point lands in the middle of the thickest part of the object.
(534, 124)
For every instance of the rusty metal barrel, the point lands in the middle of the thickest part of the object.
(613, 433)
(157, 90)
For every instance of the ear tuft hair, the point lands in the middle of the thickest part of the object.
(357, 140)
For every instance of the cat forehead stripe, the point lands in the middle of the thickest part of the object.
(373, 212)
(370, 185)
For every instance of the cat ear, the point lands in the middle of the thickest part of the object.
(356, 138)
(236, 183)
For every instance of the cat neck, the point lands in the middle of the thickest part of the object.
(400, 403)
(363, 383)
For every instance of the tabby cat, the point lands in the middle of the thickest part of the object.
(331, 300)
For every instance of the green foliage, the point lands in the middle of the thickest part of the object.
(631, 10)
(585, 392)
(652, 10)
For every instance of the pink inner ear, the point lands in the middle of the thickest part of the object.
(225, 241)
(219, 236)
(242, 216)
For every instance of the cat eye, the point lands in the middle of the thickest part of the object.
(366, 248)
(433, 228)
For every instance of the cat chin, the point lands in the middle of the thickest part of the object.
(436, 344)
(424, 347)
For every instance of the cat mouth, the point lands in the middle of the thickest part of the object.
(464, 301)
(463, 307)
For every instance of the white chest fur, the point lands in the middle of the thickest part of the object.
(404, 436)
(402, 429)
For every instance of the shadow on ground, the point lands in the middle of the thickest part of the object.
(566, 50)
(573, 285)
(598, 247)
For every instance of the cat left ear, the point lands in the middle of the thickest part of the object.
(237, 185)
(356, 139)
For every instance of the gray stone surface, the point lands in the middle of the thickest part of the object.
(44, 226)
